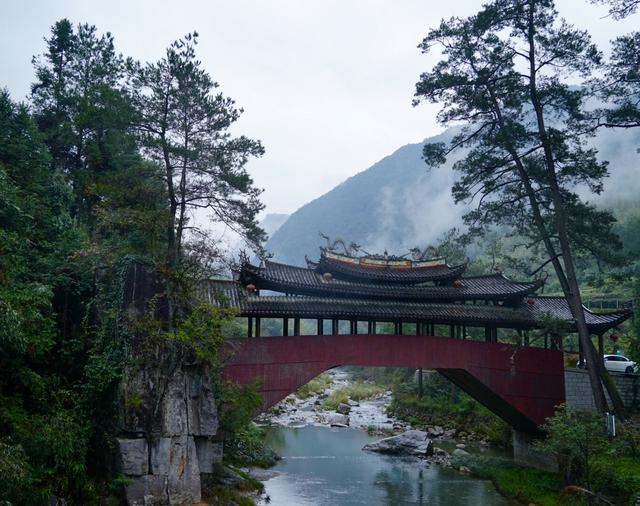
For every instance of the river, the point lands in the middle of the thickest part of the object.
(323, 465)
(326, 466)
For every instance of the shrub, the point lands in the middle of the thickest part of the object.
(317, 385)
(575, 438)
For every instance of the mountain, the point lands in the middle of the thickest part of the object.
(272, 222)
(397, 203)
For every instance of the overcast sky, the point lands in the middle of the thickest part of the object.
(326, 85)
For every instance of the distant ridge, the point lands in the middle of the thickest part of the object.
(397, 203)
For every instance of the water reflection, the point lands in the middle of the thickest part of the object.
(325, 466)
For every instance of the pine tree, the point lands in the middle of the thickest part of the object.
(525, 136)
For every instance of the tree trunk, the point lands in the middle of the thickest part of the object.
(572, 291)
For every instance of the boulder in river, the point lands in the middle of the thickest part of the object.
(338, 420)
(343, 408)
(411, 442)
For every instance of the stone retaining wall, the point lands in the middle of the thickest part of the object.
(578, 389)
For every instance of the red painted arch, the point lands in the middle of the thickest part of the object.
(521, 385)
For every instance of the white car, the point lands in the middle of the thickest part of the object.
(618, 363)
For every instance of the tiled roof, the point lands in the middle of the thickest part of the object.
(298, 280)
(410, 275)
(531, 313)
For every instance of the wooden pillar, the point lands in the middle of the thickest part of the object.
(334, 327)
(257, 326)
(373, 327)
(487, 334)
(369, 327)
(285, 327)
(464, 332)
(527, 341)
(320, 330)
(546, 340)
(353, 325)
(452, 331)
(296, 326)
(418, 328)
(250, 326)
(420, 384)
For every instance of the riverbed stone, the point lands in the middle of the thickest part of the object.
(343, 408)
(459, 452)
(338, 420)
(134, 456)
(411, 442)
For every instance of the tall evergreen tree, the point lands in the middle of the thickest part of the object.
(502, 75)
(80, 104)
(184, 126)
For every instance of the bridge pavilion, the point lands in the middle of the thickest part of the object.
(413, 296)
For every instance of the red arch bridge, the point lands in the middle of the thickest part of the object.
(521, 383)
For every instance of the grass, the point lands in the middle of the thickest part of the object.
(316, 386)
(524, 484)
(464, 414)
(355, 391)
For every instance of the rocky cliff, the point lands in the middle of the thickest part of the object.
(166, 443)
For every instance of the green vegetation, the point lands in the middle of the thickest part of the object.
(460, 412)
(524, 484)
(231, 486)
(354, 391)
(247, 448)
(83, 198)
(588, 460)
(317, 385)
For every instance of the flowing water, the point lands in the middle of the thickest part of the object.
(326, 466)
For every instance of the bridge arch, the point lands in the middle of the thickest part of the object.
(521, 385)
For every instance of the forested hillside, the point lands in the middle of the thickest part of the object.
(398, 203)
(102, 169)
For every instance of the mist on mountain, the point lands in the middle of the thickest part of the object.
(399, 203)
